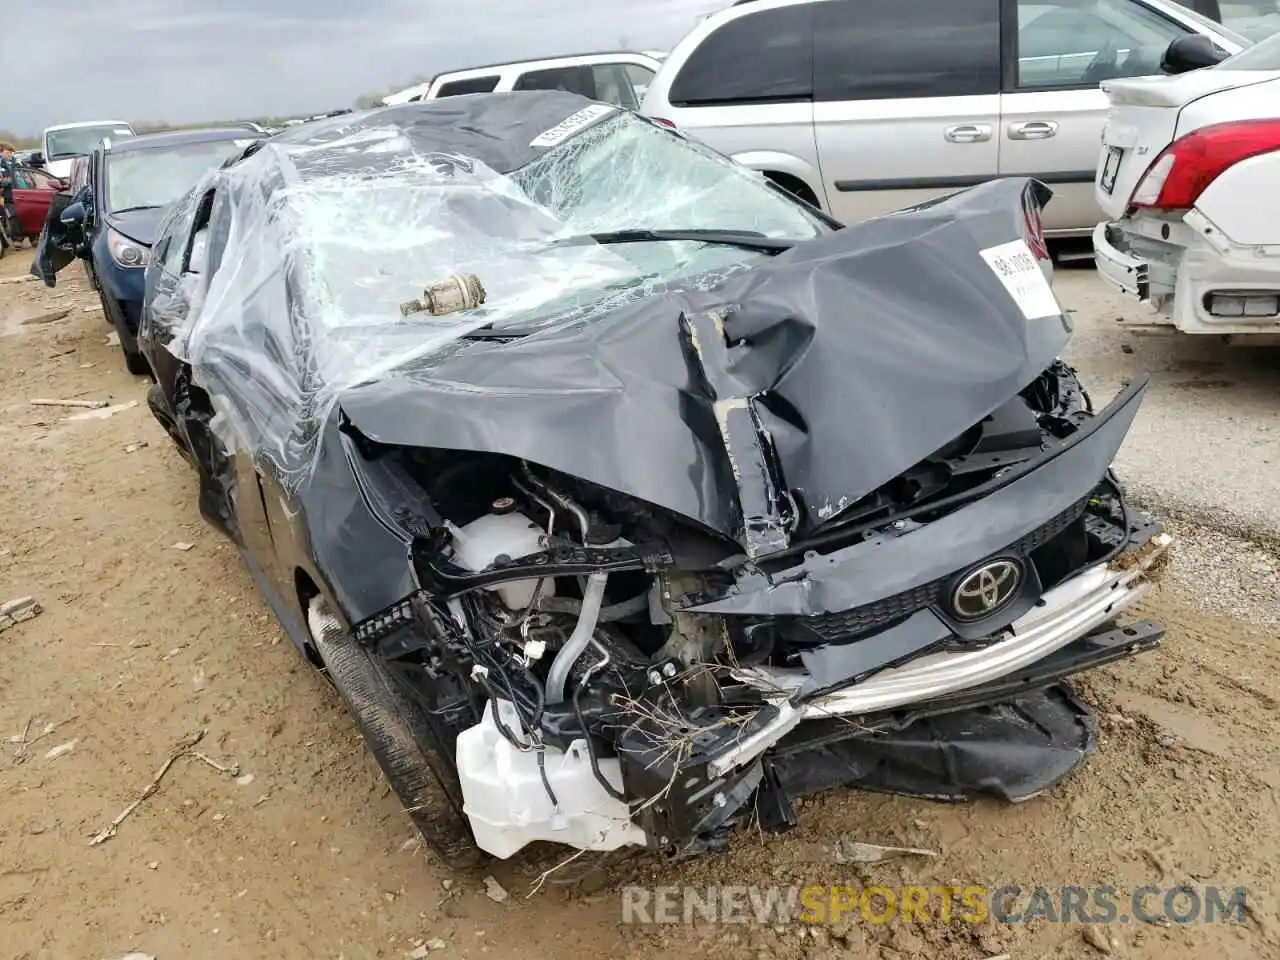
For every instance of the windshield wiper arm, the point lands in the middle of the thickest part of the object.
(728, 238)
(142, 206)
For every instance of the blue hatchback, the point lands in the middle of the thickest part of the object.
(111, 220)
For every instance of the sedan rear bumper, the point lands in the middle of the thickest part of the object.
(1192, 274)
(1127, 273)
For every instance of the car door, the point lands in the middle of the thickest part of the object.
(1052, 113)
(30, 201)
(43, 189)
(906, 100)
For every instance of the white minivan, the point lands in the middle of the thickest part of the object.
(862, 107)
(61, 144)
(621, 78)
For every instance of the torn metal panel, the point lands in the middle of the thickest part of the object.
(763, 515)
(898, 560)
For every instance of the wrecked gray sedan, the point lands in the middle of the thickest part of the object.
(623, 497)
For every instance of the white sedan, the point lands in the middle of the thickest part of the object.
(1190, 175)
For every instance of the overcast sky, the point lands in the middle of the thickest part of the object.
(191, 60)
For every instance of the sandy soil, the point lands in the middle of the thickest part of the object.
(303, 852)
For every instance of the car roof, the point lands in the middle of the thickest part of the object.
(505, 64)
(89, 123)
(176, 138)
(500, 130)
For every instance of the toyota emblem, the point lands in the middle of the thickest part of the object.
(986, 589)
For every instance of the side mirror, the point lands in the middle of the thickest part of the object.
(1192, 52)
(37, 159)
(74, 215)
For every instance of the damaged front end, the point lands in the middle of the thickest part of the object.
(612, 674)
(822, 528)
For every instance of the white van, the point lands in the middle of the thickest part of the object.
(62, 143)
(620, 78)
(864, 108)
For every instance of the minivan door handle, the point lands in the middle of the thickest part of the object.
(1033, 130)
(969, 133)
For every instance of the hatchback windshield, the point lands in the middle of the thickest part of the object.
(157, 176)
(80, 141)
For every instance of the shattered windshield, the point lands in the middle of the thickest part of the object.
(156, 176)
(378, 239)
(80, 141)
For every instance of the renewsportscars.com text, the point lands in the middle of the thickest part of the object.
(1009, 903)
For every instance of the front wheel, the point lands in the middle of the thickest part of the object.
(136, 363)
(382, 716)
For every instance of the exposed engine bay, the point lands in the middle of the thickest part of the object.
(559, 645)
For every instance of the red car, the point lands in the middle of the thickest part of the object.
(33, 192)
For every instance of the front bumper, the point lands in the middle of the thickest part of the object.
(947, 726)
(1066, 613)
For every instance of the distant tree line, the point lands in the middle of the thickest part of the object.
(364, 102)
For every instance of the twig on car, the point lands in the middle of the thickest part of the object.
(182, 749)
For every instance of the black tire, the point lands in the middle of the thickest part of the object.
(384, 719)
(136, 363)
(160, 410)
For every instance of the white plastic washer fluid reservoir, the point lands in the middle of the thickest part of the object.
(508, 805)
(493, 535)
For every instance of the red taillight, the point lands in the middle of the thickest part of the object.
(1035, 232)
(1188, 165)
(663, 122)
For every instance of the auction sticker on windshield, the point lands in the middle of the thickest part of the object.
(1016, 268)
(570, 125)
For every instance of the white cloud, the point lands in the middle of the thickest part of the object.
(191, 60)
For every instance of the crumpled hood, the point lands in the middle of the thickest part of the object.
(775, 400)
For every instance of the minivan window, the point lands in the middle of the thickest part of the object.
(1064, 44)
(888, 49)
(640, 78)
(576, 79)
(457, 88)
(758, 58)
(80, 141)
(613, 85)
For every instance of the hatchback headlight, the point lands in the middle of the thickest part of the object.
(126, 252)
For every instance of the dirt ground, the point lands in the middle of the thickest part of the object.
(152, 631)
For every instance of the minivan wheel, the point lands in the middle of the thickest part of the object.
(383, 717)
(794, 186)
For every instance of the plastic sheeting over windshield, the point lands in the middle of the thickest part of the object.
(757, 396)
(303, 283)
